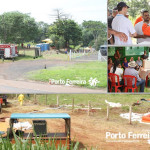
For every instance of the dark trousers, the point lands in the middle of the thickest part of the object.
(141, 84)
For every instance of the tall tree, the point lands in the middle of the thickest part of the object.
(135, 6)
(16, 27)
(92, 30)
(67, 30)
(42, 31)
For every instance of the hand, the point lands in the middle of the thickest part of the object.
(122, 36)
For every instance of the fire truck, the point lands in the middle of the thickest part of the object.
(8, 51)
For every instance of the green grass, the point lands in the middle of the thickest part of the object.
(97, 100)
(21, 144)
(79, 71)
(53, 56)
(28, 54)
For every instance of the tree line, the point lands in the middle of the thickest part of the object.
(17, 27)
(135, 6)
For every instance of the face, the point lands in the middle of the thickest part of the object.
(119, 66)
(146, 16)
(125, 59)
(125, 9)
(115, 12)
(131, 58)
(138, 58)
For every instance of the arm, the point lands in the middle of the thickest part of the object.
(137, 76)
(122, 36)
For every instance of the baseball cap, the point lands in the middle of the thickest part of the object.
(122, 4)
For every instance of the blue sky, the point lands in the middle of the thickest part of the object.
(41, 10)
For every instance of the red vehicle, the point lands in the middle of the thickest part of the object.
(8, 51)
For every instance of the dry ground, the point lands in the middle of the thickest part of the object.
(88, 130)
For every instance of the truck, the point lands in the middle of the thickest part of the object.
(8, 51)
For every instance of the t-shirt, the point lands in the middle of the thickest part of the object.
(138, 29)
(139, 19)
(139, 62)
(118, 71)
(125, 64)
(122, 24)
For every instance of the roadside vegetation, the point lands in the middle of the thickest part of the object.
(80, 71)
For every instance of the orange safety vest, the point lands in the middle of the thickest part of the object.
(146, 29)
(139, 19)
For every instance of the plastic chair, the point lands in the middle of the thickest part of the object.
(128, 80)
(114, 84)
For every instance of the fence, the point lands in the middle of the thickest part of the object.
(68, 104)
(83, 55)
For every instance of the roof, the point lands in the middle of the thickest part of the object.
(39, 116)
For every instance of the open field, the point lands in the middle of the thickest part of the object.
(90, 130)
(85, 68)
(80, 71)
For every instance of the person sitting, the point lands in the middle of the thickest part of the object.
(125, 63)
(139, 62)
(110, 64)
(131, 71)
(131, 59)
(116, 69)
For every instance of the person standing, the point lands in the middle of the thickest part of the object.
(138, 27)
(122, 24)
(144, 56)
(140, 18)
(110, 19)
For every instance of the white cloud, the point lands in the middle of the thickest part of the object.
(41, 10)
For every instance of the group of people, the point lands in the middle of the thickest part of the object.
(130, 67)
(121, 30)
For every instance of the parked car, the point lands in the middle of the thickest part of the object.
(103, 50)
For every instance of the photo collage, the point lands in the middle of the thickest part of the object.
(75, 75)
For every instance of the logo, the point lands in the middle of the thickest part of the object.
(93, 81)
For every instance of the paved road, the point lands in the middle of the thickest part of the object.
(17, 70)
(10, 86)
(12, 78)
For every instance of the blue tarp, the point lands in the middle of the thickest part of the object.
(39, 116)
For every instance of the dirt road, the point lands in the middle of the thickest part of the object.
(12, 78)
(90, 131)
